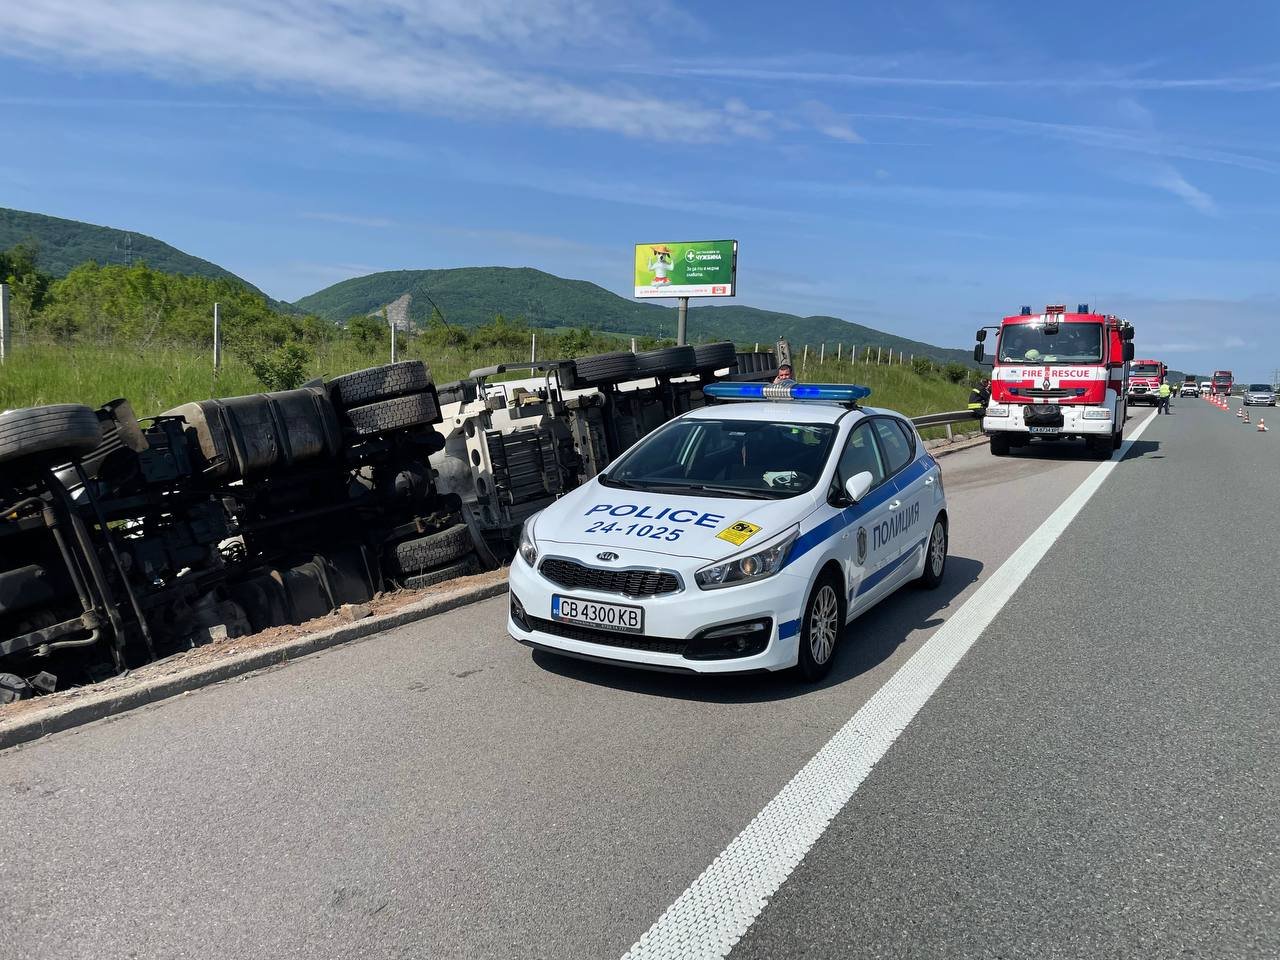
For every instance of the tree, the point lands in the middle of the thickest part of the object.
(368, 331)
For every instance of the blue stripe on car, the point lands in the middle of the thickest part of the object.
(788, 629)
(851, 514)
(869, 583)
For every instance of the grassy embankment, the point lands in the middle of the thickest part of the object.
(158, 378)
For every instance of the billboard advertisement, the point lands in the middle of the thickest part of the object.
(700, 268)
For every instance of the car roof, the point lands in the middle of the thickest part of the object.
(786, 411)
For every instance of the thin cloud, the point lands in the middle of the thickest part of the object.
(1167, 178)
(463, 58)
(349, 220)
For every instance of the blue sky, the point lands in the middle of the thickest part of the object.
(922, 168)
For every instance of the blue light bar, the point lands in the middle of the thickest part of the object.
(839, 392)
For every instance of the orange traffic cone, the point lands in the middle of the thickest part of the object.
(1240, 413)
(1262, 425)
(1246, 417)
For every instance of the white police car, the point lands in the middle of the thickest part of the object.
(737, 537)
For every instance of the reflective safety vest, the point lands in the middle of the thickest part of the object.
(1165, 390)
(977, 399)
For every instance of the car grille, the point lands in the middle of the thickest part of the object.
(608, 638)
(632, 583)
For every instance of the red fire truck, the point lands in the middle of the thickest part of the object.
(1058, 375)
(1223, 382)
(1145, 377)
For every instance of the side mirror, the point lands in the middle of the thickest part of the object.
(981, 336)
(978, 353)
(858, 485)
(1128, 351)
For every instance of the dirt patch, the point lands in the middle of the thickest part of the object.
(381, 605)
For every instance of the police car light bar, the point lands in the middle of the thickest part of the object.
(839, 392)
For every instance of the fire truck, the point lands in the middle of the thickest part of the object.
(1145, 377)
(1223, 381)
(1058, 375)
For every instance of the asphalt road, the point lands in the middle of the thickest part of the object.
(1097, 777)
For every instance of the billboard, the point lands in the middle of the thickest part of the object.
(701, 268)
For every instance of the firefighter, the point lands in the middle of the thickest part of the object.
(979, 397)
(1165, 391)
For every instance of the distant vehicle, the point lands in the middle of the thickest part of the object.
(1189, 389)
(1206, 387)
(1058, 376)
(1223, 381)
(1145, 377)
(1259, 395)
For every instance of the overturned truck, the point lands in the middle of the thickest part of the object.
(125, 540)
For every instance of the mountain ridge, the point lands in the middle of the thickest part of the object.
(470, 296)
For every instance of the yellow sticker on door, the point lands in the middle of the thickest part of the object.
(738, 533)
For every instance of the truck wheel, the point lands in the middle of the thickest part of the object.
(820, 629)
(398, 414)
(437, 549)
(999, 445)
(1100, 447)
(667, 361)
(709, 357)
(453, 571)
(48, 435)
(380, 383)
(605, 368)
(1117, 439)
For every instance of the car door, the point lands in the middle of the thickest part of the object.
(916, 489)
(860, 552)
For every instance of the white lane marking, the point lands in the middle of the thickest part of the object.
(719, 907)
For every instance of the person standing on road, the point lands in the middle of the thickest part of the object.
(979, 397)
(1165, 390)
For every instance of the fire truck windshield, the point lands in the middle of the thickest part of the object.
(1073, 343)
(1144, 370)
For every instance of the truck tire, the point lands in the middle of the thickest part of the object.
(453, 571)
(435, 550)
(380, 383)
(667, 361)
(48, 435)
(400, 413)
(999, 445)
(708, 357)
(605, 368)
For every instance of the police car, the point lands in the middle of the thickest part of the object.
(738, 537)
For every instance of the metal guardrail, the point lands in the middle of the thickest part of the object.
(945, 420)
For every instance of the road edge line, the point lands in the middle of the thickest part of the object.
(98, 706)
(720, 906)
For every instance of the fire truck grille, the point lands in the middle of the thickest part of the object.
(1053, 393)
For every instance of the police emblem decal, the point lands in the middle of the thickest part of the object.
(862, 545)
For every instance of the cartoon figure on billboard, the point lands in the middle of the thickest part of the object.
(660, 264)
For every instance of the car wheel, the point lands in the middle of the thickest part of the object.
(935, 556)
(820, 629)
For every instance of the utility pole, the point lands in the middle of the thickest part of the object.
(6, 335)
(682, 322)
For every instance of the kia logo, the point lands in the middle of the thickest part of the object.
(607, 556)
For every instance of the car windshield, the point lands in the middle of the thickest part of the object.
(753, 459)
(1073, 343)
(1259, 388)
(1144, 369)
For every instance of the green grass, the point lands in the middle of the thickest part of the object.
(155, 379)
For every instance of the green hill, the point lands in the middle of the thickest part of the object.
(470, 296)
(62, 245)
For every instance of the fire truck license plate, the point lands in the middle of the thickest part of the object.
(603, 616)
(1044, 429)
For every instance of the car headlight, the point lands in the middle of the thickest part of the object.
(528, 548)
(1096, 413)
(996, 410)
(748, 567)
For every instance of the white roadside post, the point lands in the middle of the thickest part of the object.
(6, 336)
(217, 339)
(533, 348)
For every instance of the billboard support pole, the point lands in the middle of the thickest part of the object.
(682, 322)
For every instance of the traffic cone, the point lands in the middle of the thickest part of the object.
(1246, 417)
(1262, 425)
(1240, 413)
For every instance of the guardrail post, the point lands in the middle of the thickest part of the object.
(950, 436)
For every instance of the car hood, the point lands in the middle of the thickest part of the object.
(681, 525)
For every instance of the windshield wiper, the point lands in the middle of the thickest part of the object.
(704, 488)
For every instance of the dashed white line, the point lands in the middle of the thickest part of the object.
(720, 905)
